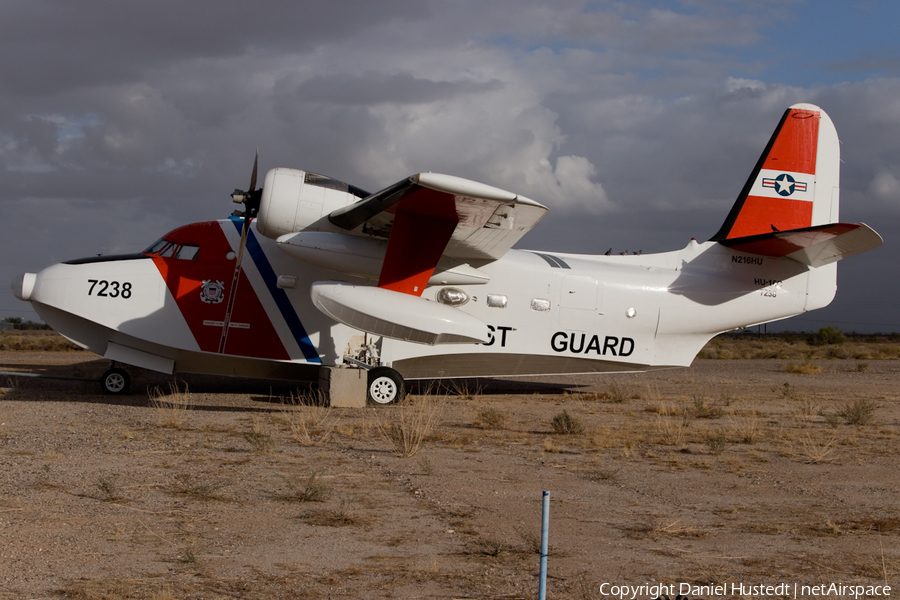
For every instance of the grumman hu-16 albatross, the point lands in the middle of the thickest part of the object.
(419, 281)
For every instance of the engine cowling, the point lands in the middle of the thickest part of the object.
(293, 200)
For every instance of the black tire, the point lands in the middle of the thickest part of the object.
(116, 382)
(385, 386)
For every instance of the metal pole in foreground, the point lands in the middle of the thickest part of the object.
(545, 533)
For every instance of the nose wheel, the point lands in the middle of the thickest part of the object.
(385, 386)
(116, 382)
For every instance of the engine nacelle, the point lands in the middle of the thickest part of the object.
(292, 200)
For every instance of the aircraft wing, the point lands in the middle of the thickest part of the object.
(430, 216)
(812, 246)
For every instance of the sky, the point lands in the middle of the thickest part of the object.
(636, 123)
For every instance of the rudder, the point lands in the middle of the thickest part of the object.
(795, 184)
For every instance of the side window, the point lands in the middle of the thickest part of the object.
(497, 300)
(540, 304)
(187, 252)
(169, 250)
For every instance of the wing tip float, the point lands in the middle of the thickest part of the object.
(396, 315)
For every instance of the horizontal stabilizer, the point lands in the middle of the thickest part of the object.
(397, 315)
(812, 246)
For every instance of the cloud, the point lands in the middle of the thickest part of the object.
(99, 43)
(886, 187)
(380, 88)
(637, 123)
(569, 186)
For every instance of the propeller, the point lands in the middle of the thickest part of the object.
(251, 200)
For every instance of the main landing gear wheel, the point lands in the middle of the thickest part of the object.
(115, 381)
(385, 386)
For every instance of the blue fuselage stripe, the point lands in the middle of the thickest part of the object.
(281, 300)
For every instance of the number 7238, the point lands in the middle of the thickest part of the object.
(109, 289)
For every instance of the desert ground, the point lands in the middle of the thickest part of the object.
(735, 471)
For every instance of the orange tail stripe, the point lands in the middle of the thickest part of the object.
(796, 145)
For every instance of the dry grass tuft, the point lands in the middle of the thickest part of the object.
(618, 393)
(117, 588)
(876, 523)
(672, 432)
(260, 436)
(410, 423)
(468, 389)
(490, 418)
(676, 529)
(550, 445)
(663, 408)
(716, 441)
(185, 484)
(309, 422)
(164, 594)
(788, 392)
(747, 430)
(813, 450)
(598, 473)
(531, 539)
(109, 489)
(172, 409)
(344, 515)
(36, 341)
(310, 490)
(805, 368)
(704, 409)
(801, 347)
(804, 410)
(493, 547)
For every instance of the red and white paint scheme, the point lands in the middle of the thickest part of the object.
(420, 280)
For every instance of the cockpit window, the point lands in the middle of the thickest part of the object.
(156, 246)
(166, 249)
(187, 252)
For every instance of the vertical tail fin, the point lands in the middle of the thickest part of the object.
(795, 184)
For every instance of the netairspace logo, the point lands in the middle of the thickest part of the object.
(686, 591)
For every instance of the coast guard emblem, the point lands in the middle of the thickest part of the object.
(212, 292)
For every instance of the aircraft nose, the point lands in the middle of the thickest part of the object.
(23, 285)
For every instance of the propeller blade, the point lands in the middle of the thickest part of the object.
(253, 176)
(247, 199)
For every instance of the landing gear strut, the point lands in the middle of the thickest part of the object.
(385, 386)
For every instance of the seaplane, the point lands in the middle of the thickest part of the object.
(421, 281)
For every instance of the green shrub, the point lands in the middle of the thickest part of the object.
(857, 412)
(827, 336)
(566, 424)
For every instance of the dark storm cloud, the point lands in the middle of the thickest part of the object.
(636, 122)
(377, 88)
(63, 45)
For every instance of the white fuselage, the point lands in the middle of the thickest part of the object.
(547, 313)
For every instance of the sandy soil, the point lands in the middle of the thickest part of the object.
(728, 472)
